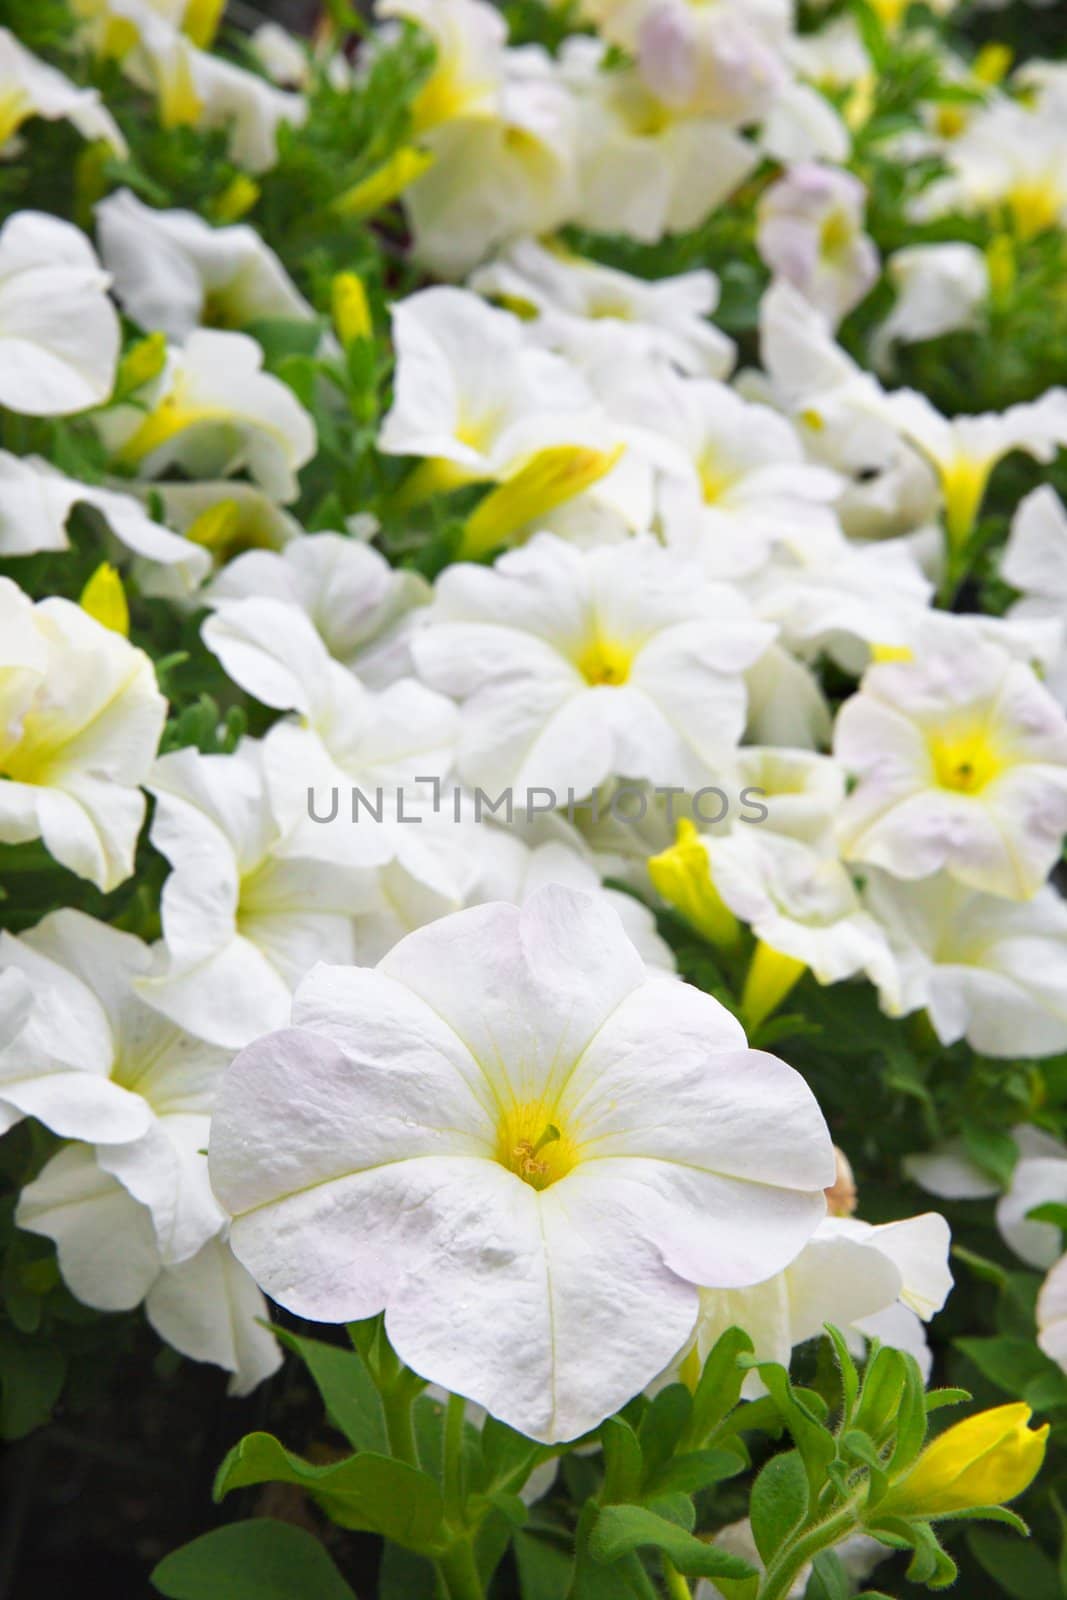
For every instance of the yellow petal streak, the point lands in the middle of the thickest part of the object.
(532, 1144)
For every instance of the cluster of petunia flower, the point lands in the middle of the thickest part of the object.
(409, 1038)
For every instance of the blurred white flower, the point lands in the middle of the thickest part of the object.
(940, 289)
(1039, 1179)
(80, 720)
(961, 760)
(1034, 561)
(811, 234)
(532, 1227)
(583, 309)
(36, 501)
(1008, 164)
(172, 271)
(214, 411)
(983, 968)
(59, 332)
(206, 1306)
(244, 915)
(30, 88)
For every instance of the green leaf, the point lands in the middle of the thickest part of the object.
(31, 1381)
(779, 1502)
(1010, 1363)
(981, 1266)
(508, 1457)
(814, 1442)
(256, 1560)
(719, 1388)
(697, 1470)
(910, 1418)
(828, 1580)
(286, 336)
(993, 1150)
(662, 1426)
(545, 1570)
(1023, 1571)
(403, 1574)
(347, 1389)
(370, 1492)
(622, 1530)
(850, 1380)
(623, 1462)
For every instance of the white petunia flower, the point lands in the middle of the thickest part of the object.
(59, 332)
(473, 397)
(173, 272)
(961, 760)
(206, 1306)
(225, 516)
(36, 501)
(964, 450)
(721, 59)
(1007, 164)
(800, 904)
(888, 487)
(985, 969)
(355, 776)
(214, 411)
(496, 177)
(30, 87)
(736, 482)
(363, 609)
(645, 170)
(1039, 1179)
(198, 88)
(1035, 562)
(584, 308)
(94, 1062)
(800, 790)
(1052, 1314)
(811, 234)
(940, 288)
(850, 1274)
(488, 1103)
(80, 720)
(576, 665)
(950, 1173)
(469, 37)
(244, 917)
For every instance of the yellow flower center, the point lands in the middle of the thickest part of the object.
(532, 1146)
(965, 762)
(605, 662)
(837, 233)
(715, 480)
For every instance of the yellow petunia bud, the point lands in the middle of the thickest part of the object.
(217, 528)
(770, 978)
(201, 21)
(236, 200)
(1003, 269)
(180, 106)
(682, 875)
(351, 313)
(983, 1461)
(993, 63)
(104, 599)
(551, 478)
(142, 362)
(384, 185)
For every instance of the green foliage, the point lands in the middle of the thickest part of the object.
(256, 1560)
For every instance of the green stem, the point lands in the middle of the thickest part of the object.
(455, 1499)
(796, 1553)
(677, 1588)
(459, 1572)
(396, 1404)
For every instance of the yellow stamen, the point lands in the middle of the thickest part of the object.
(605, 662)
(534, 1147)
